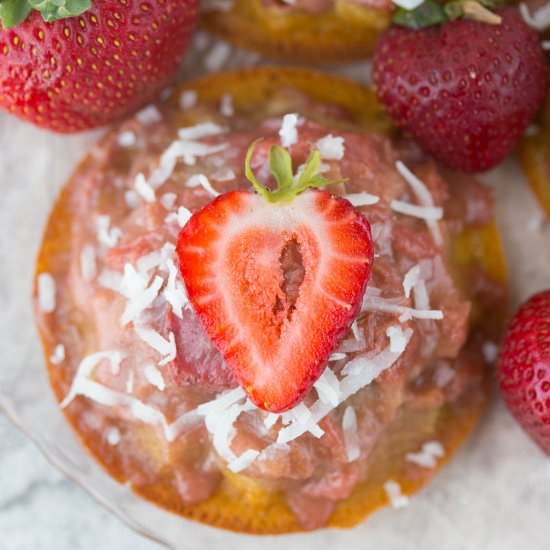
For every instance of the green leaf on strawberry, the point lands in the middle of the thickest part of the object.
(52, 10)
(427, 14)
(288, 185)
(431, 13)
(13, 12)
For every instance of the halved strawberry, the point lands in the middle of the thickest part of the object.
(277, 278)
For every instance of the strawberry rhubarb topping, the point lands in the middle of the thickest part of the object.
(214, 307)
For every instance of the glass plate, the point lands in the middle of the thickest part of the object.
(478, 501)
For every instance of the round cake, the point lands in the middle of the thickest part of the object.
(150, 393)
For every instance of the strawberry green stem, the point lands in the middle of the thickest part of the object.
(288, 184)
(432, 12)
(13, 12)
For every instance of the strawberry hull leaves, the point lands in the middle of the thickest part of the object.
(13, 12)
(431, 12)
(52, 10)
(88, 70)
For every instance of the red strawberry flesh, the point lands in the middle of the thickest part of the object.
(524, 368)
(276, 286)
(465, 90)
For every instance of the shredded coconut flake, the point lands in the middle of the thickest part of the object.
(490, 351)
(131, 198)
(200, 131)
(545, 44)
(398, 340)
(218, 55)
(408, 4)
(328, 387)
(110, 279)
(539, 20)
(224, 174)
(351, 437)
(288, 132)
(218, 5)
(226, 105)
(88, 267)
(243, 461)
(421, 296)
(331, 147)
(377, 303)
(188, 151)
(174, 292)
(427, 213)
(143, 189)
(58, 355)
(107, 235)
(133, 283)
(149, 115)
(46, 292)
(139, 298)
(271, 419)
(221, 402)
(154, 377)
(168, 200)
(113, 436)
(219, 417)
(86, 368)
(166, 348)
(201, 180)
(428, 455)
(362, 199)
(127, 138)
(443, 375)
(84, 386)
(188, 99)
(149, 261)
(181, 216)
(358, 373)
(382, 237)
(357, 333)
(130, 382)
(423, 196)
(337, 356)
(397, 499)
(411, 278)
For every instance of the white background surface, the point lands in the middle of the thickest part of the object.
(42, 510)
(495, 495)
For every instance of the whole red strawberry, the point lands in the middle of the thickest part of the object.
(524, 368)
(466, 90)
(86, 70)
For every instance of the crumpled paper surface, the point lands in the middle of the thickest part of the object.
(494, 495)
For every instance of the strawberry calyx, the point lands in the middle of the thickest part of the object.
(289, 185)
(13, 12)
(431, 13)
